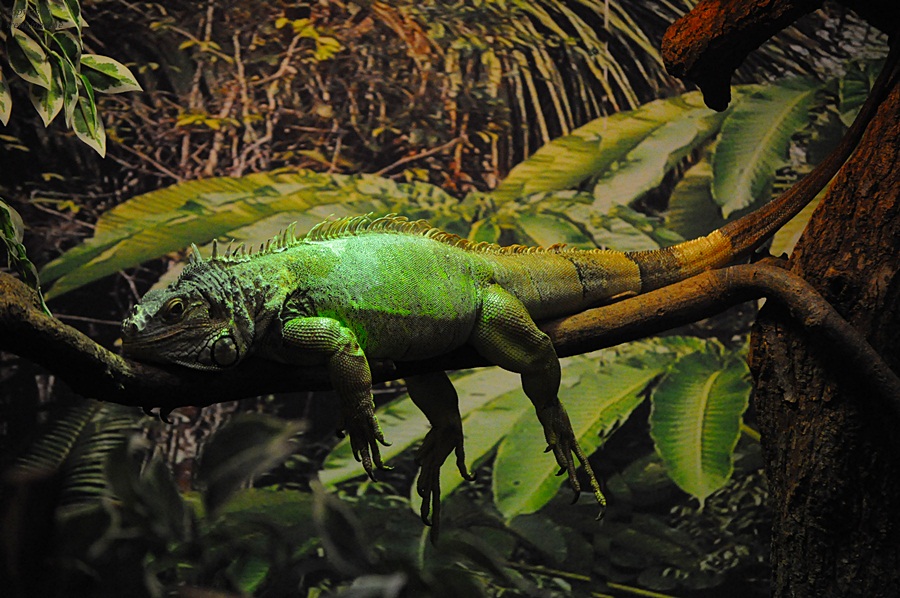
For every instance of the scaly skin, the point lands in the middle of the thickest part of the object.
(357, 289)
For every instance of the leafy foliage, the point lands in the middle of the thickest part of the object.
(76, 446)
(600, 392)
(695, 422)
(12, 232)
(754, 141)
(247, 209)
(45, 50)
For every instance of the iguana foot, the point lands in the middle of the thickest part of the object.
(365, 434)
(440, 441)
(561, 441)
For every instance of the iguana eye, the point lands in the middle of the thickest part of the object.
(173, 310)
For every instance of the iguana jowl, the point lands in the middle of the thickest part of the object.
(385, 288)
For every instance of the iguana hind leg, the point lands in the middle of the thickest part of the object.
(507, 336)
(434, 394)
(350, 376)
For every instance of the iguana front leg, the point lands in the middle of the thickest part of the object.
(350, 377)
(507, 336)
(434, 395)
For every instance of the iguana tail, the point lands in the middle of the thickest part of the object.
(736, 239)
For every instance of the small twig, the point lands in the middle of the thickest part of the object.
(420, 155)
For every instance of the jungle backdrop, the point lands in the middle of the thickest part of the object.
(132, 129)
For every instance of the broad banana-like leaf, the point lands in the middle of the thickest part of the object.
(404, 424)
(692, 211)
(599, 392)
(695, 419)
(170, 219)
(597, 147)
(755, 138)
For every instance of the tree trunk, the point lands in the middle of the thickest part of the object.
(832, 451)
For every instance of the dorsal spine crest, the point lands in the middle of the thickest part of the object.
(351, 226)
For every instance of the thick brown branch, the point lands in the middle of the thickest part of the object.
(706, 45)
(96, 372)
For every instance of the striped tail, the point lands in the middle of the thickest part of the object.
(661, 267)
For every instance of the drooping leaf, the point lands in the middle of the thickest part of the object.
(854, 86)
(646, 165)
(595, 148)
(599, 393)
(695, 419)
(787, 236)
(404, 424)
(170, 219)
(755, 139)
(49, 101)
(19, 11)
(28, 59)
(86, 122)
(247, 446)
(692, 211)
(77, 444)
(5, 100)
(107, 75)
(12, 232)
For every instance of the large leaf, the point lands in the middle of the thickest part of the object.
(598, 146)
(76, 444)
(5, 100)
(646, 165)
(692, 211)
(755, 140)
(170, 219)
(599, 392)
(695, 419)
(247, 446)
(107, 75)
(28, 59)
(404, 424)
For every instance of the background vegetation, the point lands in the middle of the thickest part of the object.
(253, 116)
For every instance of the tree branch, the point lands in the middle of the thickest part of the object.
(94, 371)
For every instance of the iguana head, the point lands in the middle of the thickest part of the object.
(200, 321)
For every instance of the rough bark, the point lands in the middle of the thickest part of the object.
(832, 455)
(706, 45)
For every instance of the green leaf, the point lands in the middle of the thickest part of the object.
(853, 88)
(692, 211)
(5, 100)
(28, 59)
(599, 393)
(77, 444)
(107, 75)
(249, 445)
(755, 140)
(695, 419)
(12, 231)
(49, 101)
(156, 223)
(19, 11)
(644, 168)
(786, 238)
(546, 229)
(88, 126)
(404, 425)
(598, 146)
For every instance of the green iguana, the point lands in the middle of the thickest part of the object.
(386, 288)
